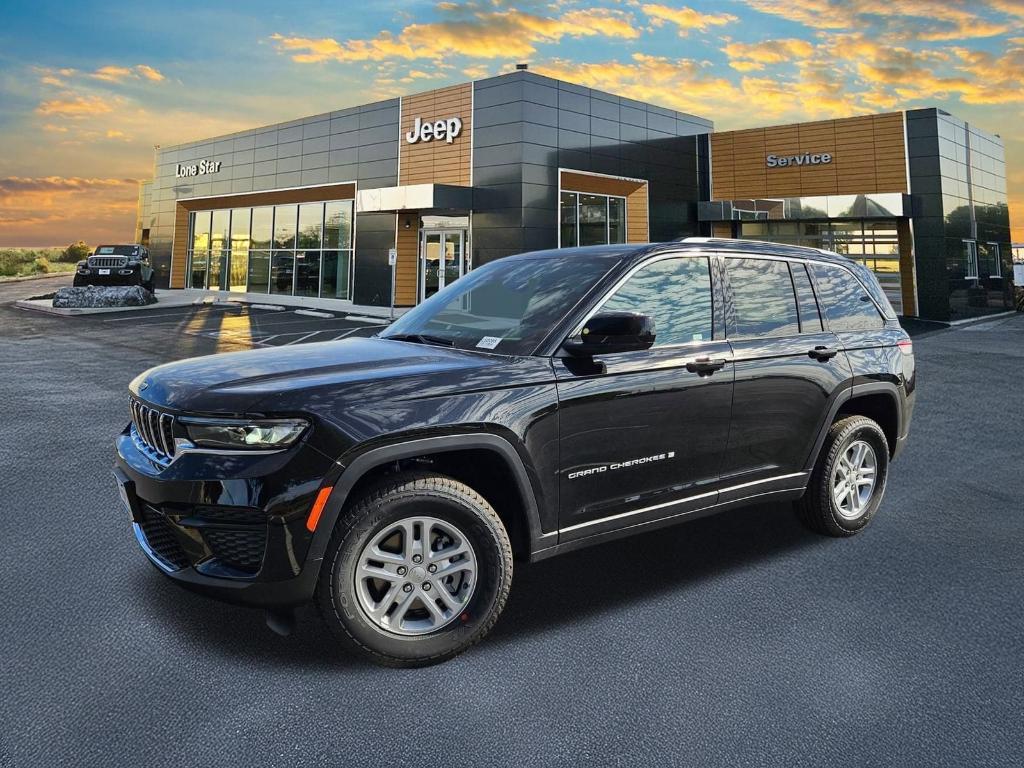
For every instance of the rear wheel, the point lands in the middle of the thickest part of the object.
(418, 570)
(848, 481)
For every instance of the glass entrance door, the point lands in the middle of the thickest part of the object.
(442, 260)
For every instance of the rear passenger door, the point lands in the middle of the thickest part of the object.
(852, 316)
(789, 370)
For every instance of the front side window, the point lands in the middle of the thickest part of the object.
(844, 300)
(507, 306)
(676, 293)
(763, 297)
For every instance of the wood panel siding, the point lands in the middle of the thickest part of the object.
(634, 190)
(180, 244)
(868, 156)
(908, 275)
(407, 244)
(437, 161)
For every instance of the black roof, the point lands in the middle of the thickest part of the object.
(633, 250)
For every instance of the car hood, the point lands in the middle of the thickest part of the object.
(236, 382)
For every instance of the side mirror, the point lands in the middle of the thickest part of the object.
(608, 332)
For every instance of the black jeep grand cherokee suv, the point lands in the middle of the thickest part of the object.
(541, 403)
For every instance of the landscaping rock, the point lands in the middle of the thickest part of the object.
(91, 296)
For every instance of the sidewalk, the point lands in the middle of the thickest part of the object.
(181, 298)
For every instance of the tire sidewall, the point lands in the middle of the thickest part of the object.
(869, 432)
(450, 639)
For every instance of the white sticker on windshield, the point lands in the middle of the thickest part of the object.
(698, 337)
(489, 342)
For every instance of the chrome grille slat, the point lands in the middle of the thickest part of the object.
(115, 262)
(154, 430)
(166, 435)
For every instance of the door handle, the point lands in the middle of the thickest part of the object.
(705, 366)
(822, 354)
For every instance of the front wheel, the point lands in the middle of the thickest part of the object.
(848, 481)
(418, 570)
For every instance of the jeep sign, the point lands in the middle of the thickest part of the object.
(774, 161)
(203, 168)
(440, 129)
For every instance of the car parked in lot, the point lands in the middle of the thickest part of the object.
(116, 265)
(541, 403)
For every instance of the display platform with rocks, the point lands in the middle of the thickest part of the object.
(91, 296)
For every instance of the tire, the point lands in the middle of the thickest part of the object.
(77, 282)
(818, 509)
(452, 515)
(149, 286)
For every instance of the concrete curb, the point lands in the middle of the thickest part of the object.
(47, 276)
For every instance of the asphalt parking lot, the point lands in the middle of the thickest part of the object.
(729, 641)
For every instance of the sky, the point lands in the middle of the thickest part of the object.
(87, 88)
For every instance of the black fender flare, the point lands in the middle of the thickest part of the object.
(354, 469)
(852, 393)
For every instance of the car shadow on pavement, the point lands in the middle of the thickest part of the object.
(675, 559)
(559, 591)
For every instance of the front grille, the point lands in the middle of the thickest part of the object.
(161, 539)
(238, 549)
(116, 262)
(154, 430)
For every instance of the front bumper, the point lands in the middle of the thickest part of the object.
(113, 276)
(230, 526)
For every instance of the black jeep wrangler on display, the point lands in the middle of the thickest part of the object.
(541, 403)
(116, 265)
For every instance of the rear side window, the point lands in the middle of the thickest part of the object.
(844, 300)
(675, 292)
(762, 293)
(810, 319)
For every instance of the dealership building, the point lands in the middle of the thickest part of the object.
(443, 181)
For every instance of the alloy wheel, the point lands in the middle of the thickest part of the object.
(416, 576)
(853, 479)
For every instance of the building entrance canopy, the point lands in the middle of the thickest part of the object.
(888, 205)
(414, 197)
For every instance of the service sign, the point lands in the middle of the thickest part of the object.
(780, 161)
(202, 168)
(424, 130)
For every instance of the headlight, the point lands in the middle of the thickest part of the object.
(263, 433)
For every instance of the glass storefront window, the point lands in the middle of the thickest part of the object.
(284, 226)
(307, 273)
(616, 219)
(311, 220)
(338, 224)
(262, 227)
(567, 220)
(586, 219)
(200, 248)
(282, 272)
(305, 250)
(593, 214)
(334, 275)
(259, 271)
(220, 239)
(240, 220)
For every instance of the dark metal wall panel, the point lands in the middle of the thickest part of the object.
(527, 126)
(356, 144)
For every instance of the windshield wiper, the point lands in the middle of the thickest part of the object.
(422, 338)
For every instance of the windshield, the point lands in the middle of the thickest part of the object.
(507, 306)
(117, 250)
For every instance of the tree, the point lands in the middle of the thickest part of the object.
(76, 251)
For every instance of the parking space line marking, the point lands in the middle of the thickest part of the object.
(301, 338)
(343, 334)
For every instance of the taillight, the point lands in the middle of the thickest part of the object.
(906, 346)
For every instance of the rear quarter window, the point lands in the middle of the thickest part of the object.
(844, 300)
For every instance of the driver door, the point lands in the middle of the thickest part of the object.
(642, 434)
